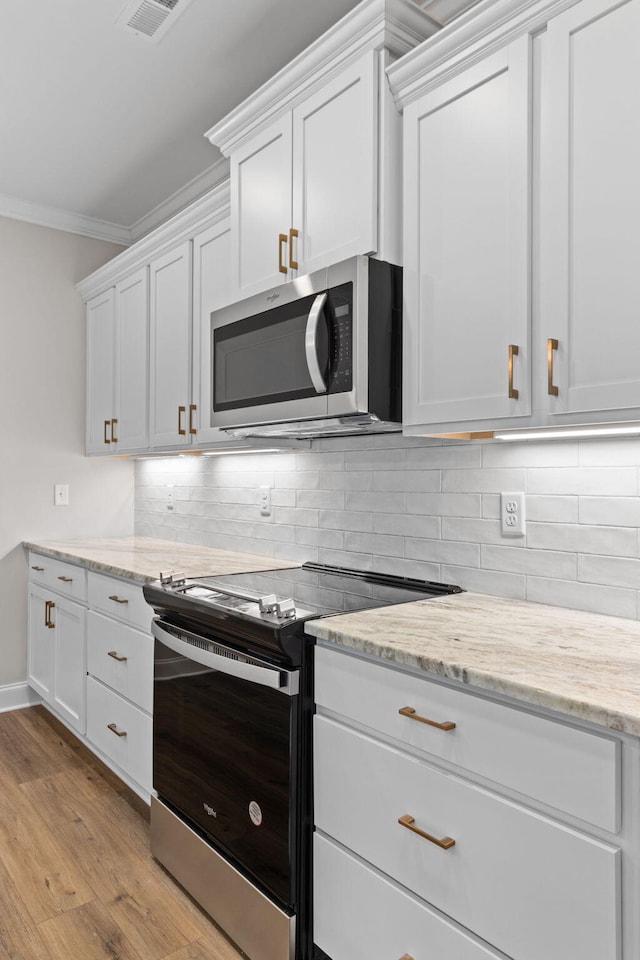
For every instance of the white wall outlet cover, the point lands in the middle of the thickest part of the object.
(61, 494)
(512, 519)
(264, 501)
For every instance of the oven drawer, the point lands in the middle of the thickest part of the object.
(531, 887)
(120, 599)
(65, 578)
(360, 915)
(120, 731)
(572, 770)
(122, 658)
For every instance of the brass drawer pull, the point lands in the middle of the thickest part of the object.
(406, 956)
(112, 653)
(552, 390)
(66, 579)
(116, 599)
(412, 715)
(114, 729)
(39, 569)
(114, 439)
(192, 409)
(292, 263)
(49, 605)
(408, 821)
(282, 238)
(514, 350)
(106, 427)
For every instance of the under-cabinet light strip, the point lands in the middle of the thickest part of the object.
(567, 433)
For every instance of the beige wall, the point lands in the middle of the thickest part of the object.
(42, 415)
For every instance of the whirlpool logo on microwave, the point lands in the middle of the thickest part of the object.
(272, 297)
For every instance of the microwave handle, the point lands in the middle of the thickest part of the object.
(310, 343)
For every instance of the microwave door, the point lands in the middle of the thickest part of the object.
(271, 366)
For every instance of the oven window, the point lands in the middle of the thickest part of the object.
(222, 757)
(262, 359)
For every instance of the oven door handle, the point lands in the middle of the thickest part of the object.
(285, 681)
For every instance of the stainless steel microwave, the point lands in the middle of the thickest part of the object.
(316, 356)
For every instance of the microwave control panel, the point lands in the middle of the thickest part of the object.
(340, 309)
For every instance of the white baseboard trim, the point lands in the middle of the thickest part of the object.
(14, 696)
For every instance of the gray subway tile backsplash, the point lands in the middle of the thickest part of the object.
(422, 508)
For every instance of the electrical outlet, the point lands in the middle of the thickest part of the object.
(169, 498)
(61, 494)
(264, 501)
(512, 520)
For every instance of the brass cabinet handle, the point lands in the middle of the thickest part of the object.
(514, 350)
(112, 653)
(39, 569)
(106, 427)
(49, 605)
(282, 238)
(192, 409)
(552, 390)
(181, 431)
(292, 263)
(114, 439)
(412, 715)
(408, 821)
(66, 579)
(116, 599)
(114, 729)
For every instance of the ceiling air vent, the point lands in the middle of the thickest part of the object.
(151, 18)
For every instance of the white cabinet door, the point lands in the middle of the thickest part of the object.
(590, 245)
(132, 362)
(41, 643)
(467, 244)
(335, 157)
(100, 372)
(211, 290)
(70, 662)
(170, 308)
(261, 210)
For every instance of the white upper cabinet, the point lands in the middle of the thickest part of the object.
(101, 349)
(591, 208)
(315, 152)
(172, 414)
(131, 369)
(466, 244)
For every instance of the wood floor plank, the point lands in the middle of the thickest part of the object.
(77, 879)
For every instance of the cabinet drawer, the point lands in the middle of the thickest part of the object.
(529, 886)
(132, 751)
(572, 770)
(121, 657)
(360, 915)
(120, 599)
(65, 578)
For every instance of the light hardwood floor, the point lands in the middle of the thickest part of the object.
(77, 881)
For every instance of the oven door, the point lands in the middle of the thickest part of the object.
(225, 727)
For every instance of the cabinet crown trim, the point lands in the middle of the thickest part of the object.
(209, 210)
(396, 25)
(471, 37)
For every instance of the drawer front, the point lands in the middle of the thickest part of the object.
(121, 657)
(132, 751)
(525, 884)
(572, 770)
(65, 578)
(120, 599)
(360, 915)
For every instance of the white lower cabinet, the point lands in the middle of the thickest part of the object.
(425, 858)
(91, 660)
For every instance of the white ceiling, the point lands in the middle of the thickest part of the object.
(105, 125)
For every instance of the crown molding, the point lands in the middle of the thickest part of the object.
(57, 219)
(203, 213)
(483, 29)
(186, 195)
(396, 25)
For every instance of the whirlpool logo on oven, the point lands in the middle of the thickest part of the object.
(209, 810)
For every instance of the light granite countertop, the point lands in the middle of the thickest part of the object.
(143, 558)
(581, 664)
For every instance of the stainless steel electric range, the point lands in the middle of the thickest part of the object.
(232, 764)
